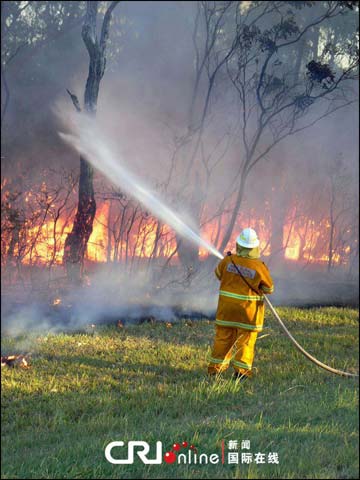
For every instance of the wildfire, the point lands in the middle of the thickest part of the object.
(96, 250)
(141, 236)
(301, 242)
(292, 250)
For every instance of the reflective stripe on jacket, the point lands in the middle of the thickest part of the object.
(239, 305)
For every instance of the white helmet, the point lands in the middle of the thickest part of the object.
(248, 238)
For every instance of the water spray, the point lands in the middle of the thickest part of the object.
(88, 141)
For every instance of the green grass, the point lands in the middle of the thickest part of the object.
(147, 382)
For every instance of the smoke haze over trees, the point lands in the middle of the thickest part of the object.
(193, 96)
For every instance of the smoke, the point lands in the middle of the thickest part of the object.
(110, 296)
(142, 118)
(90, 142)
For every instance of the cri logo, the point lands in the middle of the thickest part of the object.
(142, 450)
(170, 457)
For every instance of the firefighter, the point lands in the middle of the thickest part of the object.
(240, 313)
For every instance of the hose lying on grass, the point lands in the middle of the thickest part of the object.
(297, 345)
(303, 351)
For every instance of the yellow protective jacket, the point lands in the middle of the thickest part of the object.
(239, 306)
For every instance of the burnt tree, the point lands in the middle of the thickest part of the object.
(76, 241)
(275, 101)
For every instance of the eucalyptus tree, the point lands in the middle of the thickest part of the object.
(76, 241)
(268, 65)
(250, 46)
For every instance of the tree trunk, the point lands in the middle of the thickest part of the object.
(299, 59)
(332, 223)
(235, 212)
(108, 246)
(277, 231)
(315, 47)
(330, 261)
(76, 241)
(189, 252)
(331, 237)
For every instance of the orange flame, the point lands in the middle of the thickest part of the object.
(304, 240)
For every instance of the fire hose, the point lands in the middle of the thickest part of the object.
(302, 350)
(297, 345)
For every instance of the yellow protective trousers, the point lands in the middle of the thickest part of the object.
(232, 345)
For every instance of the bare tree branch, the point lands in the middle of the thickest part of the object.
(74, 100)
(106, 26)
(89, 27)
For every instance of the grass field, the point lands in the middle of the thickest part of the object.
(148, 382)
